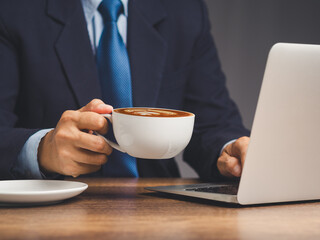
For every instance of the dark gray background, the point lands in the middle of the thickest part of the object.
(244, 31)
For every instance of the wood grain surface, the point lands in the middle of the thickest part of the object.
(123, 209)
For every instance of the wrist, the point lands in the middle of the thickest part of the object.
(44, 154)
(227, 145)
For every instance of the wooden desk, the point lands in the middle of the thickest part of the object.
(122, 209)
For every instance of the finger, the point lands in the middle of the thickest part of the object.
(93, 143)
(69, 118)
(98, 106)
(73, 161)
(81, 168)
(92, 121)
(229, 166)
(90, 158)
(239, 148)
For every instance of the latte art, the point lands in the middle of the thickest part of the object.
(153, 112)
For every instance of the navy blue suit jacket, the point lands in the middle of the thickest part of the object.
(47, 66)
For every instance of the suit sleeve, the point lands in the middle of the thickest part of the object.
(217, 117)
(12, 138)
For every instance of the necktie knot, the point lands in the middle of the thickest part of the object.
(110, 10)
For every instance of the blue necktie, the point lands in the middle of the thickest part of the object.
(115, 78)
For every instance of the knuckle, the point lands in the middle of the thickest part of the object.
(99, 144)
(222, 159)
(69, 169)
(238, 142)
(230, 163)
(64, 155)
(68, 116)
(73, 171)
(101, 122)
(95, 102)
(102, 159)
(245, 138)
(238, 145)
(110, 149)
(219, 164)
(222, 168)
(62, 135)
(242, 142)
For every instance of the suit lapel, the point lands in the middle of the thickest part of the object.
(146, 49)
(74, 50)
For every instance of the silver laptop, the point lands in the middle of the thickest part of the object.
(283, 158)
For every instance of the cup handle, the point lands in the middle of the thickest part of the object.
(112, 144)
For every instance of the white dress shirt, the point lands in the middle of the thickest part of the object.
(95, 22)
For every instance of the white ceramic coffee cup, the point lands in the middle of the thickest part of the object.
(150, 137)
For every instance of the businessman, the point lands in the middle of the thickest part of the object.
(62, 63)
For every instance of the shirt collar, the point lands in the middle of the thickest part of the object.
(90, 7)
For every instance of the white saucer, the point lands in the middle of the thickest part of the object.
(38, 192)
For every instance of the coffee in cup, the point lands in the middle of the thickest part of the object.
(153, 112)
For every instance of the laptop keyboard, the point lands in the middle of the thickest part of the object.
(226, 189)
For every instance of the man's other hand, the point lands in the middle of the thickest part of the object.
(71, 148)
(232, 158)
